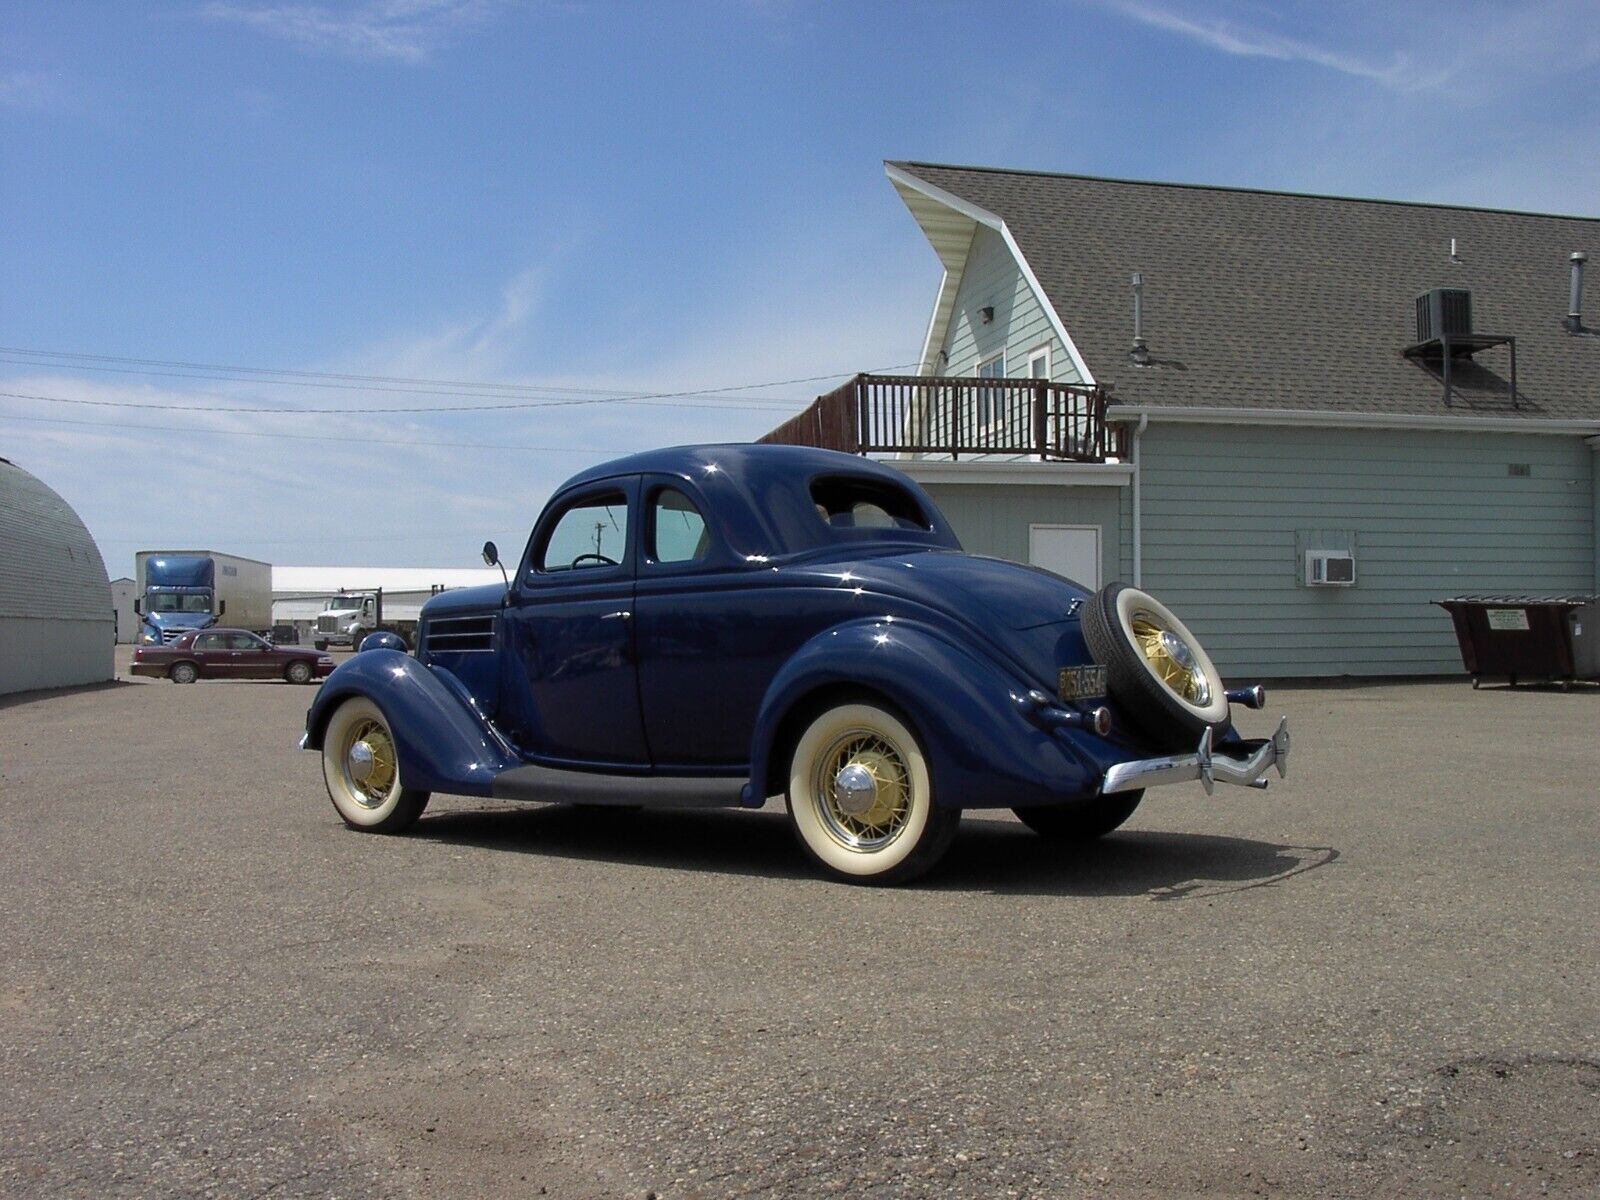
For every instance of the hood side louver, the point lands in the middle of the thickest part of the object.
(459, 635)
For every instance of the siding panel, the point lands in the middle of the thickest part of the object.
(993, 519)
(1428, 515)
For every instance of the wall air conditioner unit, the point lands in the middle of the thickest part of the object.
(1330, 568)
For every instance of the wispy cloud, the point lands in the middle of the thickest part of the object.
(29, 89)
(395, 30)
(1243, 41)
(444, 482)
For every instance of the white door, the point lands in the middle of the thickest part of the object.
(1069, 550)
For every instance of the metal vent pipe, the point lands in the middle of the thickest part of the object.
(1139, 354)
(1574, 320)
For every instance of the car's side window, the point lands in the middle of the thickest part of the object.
(242, 641)
(846, 503)
(592, 532)
(209, 641)
(678, 529)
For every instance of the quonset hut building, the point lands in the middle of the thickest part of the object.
(56, 623)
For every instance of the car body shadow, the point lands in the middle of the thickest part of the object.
(993, 855)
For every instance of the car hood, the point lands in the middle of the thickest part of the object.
(991, 590)
(484, 598)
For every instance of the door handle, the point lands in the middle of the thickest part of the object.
(620, 615)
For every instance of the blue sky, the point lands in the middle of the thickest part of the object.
(596, 199)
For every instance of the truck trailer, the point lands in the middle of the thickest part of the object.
(179, 590)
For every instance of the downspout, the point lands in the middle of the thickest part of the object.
(1594, 501)
(1138, 511)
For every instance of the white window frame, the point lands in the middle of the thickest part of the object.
(987, 420)
(1034, 356)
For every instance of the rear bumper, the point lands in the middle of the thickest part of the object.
(154, 670)
(1245, 764)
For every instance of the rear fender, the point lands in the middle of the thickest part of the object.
(982, 750)
(444, 743)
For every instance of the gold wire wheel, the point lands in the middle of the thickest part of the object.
(1171, 658)
(863, 790)
(369, 762)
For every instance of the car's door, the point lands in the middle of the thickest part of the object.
(212, 656)
(711, 632)
(253, 658)
(569, 687)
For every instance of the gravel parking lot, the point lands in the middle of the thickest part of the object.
(1377, 978)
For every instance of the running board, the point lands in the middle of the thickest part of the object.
(550, 785)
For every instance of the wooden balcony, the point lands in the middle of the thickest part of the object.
(938, 416)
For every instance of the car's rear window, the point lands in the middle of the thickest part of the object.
(846, 503)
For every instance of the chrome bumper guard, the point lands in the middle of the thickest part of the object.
(1209, 767)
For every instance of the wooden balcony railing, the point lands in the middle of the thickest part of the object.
(925, 414)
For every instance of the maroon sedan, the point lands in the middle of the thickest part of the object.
(229, 654)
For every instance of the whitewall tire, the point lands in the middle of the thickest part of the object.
(861, 797)
(1155, 667)
(361, 767)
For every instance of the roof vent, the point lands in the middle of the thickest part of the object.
(1574, 321)
(1140, 353)
(1442, 313)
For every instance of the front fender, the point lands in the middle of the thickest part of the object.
(982, 750)
(444, 744)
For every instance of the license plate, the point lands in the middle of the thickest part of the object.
(1077, 683)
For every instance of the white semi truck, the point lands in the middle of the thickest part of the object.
(349, 616)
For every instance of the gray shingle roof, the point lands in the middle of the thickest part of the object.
(1270, 300)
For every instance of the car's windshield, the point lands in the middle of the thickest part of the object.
(187, 602)
(342, 602)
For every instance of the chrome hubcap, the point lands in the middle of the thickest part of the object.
(854, 790)
(1175, 646)
(361, 762)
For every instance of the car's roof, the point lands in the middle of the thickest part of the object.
(739, 459)
(761, 493)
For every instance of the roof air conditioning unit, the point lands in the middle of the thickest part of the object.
(1444, 312)
(1330, 568)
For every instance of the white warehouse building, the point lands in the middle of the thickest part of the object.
(299, 594)
(56, 623)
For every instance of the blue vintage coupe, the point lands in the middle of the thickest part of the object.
(715, 625)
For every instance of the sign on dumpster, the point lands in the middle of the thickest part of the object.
(1505, 619)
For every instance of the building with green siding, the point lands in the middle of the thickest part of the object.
(1282, 406)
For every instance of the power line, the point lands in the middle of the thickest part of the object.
(308, 437)
(453, 384)
(595, 395)
(387, 383)
(446, 408)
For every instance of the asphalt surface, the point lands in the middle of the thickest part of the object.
(1377, 978)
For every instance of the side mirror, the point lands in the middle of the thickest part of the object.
(491, 558)
(138, 608)
(222, 607)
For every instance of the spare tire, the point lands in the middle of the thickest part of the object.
(1155, 668)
